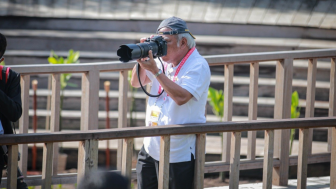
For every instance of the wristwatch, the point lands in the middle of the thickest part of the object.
(158, 73)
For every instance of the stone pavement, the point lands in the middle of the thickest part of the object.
(312, 183)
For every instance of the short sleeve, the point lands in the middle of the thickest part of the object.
(197, 79)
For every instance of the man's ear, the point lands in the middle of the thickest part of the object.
(184, 42)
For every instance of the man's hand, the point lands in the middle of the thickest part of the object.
(149, 63)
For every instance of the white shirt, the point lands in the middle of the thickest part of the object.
(194, 76)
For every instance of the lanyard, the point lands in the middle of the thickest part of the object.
(179, 67)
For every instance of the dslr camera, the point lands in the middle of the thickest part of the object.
(140, 50)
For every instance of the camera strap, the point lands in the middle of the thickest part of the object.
(179, 67)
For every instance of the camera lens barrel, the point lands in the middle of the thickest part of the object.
(140, 50)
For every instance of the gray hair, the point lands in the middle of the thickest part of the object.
(190, 40)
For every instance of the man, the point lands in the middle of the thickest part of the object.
(185, 85)
(10, 105)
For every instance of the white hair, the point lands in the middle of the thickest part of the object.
(190, 40)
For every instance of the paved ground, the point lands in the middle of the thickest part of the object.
(312, 183)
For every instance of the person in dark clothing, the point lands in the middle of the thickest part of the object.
(10, 105)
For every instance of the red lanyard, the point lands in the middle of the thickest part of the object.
(179, 67)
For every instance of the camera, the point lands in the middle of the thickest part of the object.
(140, 50)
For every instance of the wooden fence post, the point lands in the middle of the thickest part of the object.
(126, 167)
(87, 158)
(253, 109)
(55, 116)
(24, 122)
(122, 110)
(228, 93)
(333, 160)
(283, 94)
(303, 159)
(268, 159)
(310, 98)
(47, 165)
(332, 99)
(12, 166)
(164, 162)
(235, 160)
(88, 149)
(199, 162)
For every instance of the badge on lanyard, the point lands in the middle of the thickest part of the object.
(154, 116)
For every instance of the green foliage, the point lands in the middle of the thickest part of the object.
(216, 101)
(71, 59)
(2, 63)
(295, 113)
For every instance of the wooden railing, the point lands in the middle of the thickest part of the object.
(276, 132)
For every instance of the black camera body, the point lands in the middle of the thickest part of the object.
(140, 50)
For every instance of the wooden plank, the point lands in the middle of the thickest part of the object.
(228, 11)
(228, 93)
(137, 132)
(24, 122)
(332, 99)
(106, 9)
(87, 158)
(89, 101)
(122, 109)
(273, 13)
(258, 11)
(287, 16)
(333, 160)
(198, 11)
(213, 10)
(303, 158)
(47, 165)
(268, 159)
(243, 11)
(310, 98)
(283, 94)
(170, 8)
(302, 16)
(234, 160)
(55, 116)
(91, 8)
(164, 162)
(253, 108)
(212, 60)
(126, 167)
(153, 10)
(199, 161)
(12, 166)
(329, 20)
(4, 4)
(123, 9)
(60, 9)
(138, 10)
(319, 13)
(75, 8)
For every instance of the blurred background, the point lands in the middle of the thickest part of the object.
(96, 28)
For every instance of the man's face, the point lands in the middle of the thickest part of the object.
(172, 49)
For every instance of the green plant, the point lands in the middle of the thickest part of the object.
(295, 113)
(216, 101)
(2, 63)
(73, 58)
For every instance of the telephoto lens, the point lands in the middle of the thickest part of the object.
(140, 50)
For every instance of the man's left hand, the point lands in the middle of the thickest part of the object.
(149, 63)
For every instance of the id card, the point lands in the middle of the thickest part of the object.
(154, 116)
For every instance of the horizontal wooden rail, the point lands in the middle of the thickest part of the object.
(212, 60)
(209, 167)
(136, 132)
